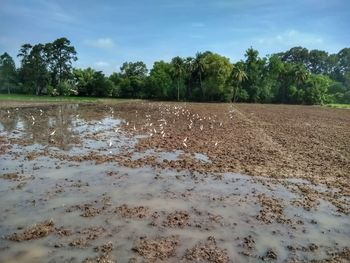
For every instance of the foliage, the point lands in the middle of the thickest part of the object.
(297, 76)
(93, 83)
(60, 55)
(133, 79)
(8, 73)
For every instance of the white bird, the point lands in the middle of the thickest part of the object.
(216, 144)
(32, 117)
(110, 143)
(220, 124)
(201, 127)
(134, 128)
(53, 133)
(185, 139)
(127, 124)
(116, 130)
(185, 145)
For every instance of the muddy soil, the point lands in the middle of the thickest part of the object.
(174, 182)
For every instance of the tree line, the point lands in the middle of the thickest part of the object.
(297, 76)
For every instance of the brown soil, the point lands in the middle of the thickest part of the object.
(177, 219)
(132, 212)
(37, 231)
(272, 210)
(156, 249)
(207, 252)
(272, 143)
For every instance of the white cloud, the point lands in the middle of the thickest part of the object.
(292, 37)
(103, 43)
(101, 64)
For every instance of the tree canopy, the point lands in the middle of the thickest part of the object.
(297, 76)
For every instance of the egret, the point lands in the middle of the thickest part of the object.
(53, 133)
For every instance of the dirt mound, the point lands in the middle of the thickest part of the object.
(207, 252)
(157, 249)
(37, 231)
(132, 212)
(177, 219)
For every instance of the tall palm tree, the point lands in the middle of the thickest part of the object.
(199, 67)
(188, 71)
(238, 76)
(178, 70)
(300, 74)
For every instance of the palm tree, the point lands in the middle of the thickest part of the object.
(238, 76)
(178, 70)
(199, 67)
(188, 70)
(300, 74)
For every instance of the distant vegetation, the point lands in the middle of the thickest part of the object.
(297, 76)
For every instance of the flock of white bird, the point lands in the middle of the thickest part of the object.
(167, 113)
(165, 110)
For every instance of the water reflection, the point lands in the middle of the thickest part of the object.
(56, 125)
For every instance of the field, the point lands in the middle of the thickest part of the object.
(137, 181)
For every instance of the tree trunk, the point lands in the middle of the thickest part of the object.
(178, 90)
(200, 84)
(8, 88)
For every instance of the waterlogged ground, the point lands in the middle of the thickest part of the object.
(166, 182)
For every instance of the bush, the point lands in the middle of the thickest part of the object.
(66, 88)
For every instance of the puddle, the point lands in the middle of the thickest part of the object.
(84, 196)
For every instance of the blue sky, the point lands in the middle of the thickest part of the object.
(107, 33)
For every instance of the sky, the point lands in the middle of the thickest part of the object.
(108, 33)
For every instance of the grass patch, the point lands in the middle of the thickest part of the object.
(22, 97)
(338, 106)
(33, 98)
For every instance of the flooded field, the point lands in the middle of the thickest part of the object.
(167, 182)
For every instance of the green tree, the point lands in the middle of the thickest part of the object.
(92, 83)
(134, 76)
(217, 73)
(83, 79)
(318, 62)
(198, 69)
(34, 73)
(116, 80)
(188, 76)
(60, 55)
(254, 68)
(8, 73)
(296, 55)
(316, 89)
(238, 76)
(160, 81)
(178, 68)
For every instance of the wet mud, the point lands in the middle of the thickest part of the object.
(174, 182)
